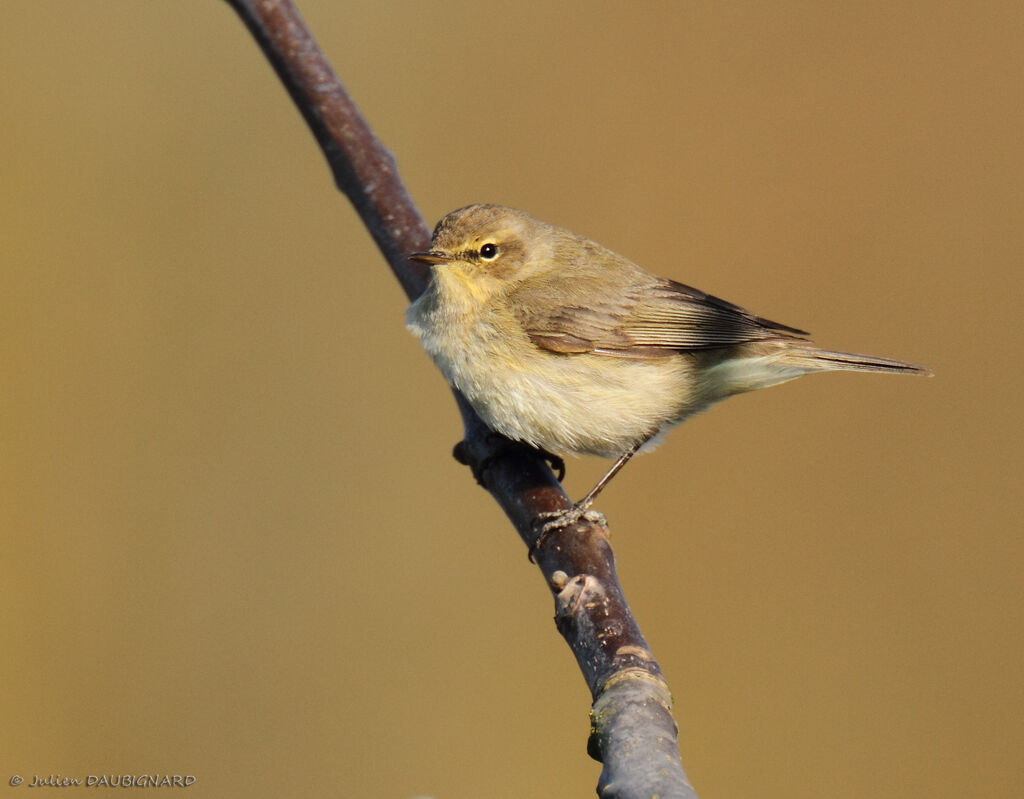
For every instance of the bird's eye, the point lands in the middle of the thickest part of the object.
(489, 252)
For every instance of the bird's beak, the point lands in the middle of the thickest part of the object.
(432, 257)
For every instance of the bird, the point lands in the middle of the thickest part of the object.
(564, 345)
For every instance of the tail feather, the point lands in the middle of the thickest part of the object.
(814, 359)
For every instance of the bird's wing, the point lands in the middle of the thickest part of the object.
(646, 318)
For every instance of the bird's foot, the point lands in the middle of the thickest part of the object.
(560, 519)
(501, 445)
(556, 463)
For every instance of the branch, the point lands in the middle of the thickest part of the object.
(632, 731)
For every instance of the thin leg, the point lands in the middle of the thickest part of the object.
(588, 500)
(564, 518)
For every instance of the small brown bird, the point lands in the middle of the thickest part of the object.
(561, 343)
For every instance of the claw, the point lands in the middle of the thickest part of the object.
(460, 453)
(556, 463)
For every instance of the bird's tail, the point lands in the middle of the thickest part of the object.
(813, 360)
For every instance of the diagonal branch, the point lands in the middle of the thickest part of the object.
(632, 730)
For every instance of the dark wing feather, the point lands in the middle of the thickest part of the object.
(643, 316)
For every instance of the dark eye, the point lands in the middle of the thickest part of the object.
(489, 252)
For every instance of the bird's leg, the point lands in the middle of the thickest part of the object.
(581, 510)
(588, 500)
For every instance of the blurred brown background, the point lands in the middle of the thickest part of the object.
(235, 543)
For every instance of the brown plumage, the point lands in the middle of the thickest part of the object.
(562, 343)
